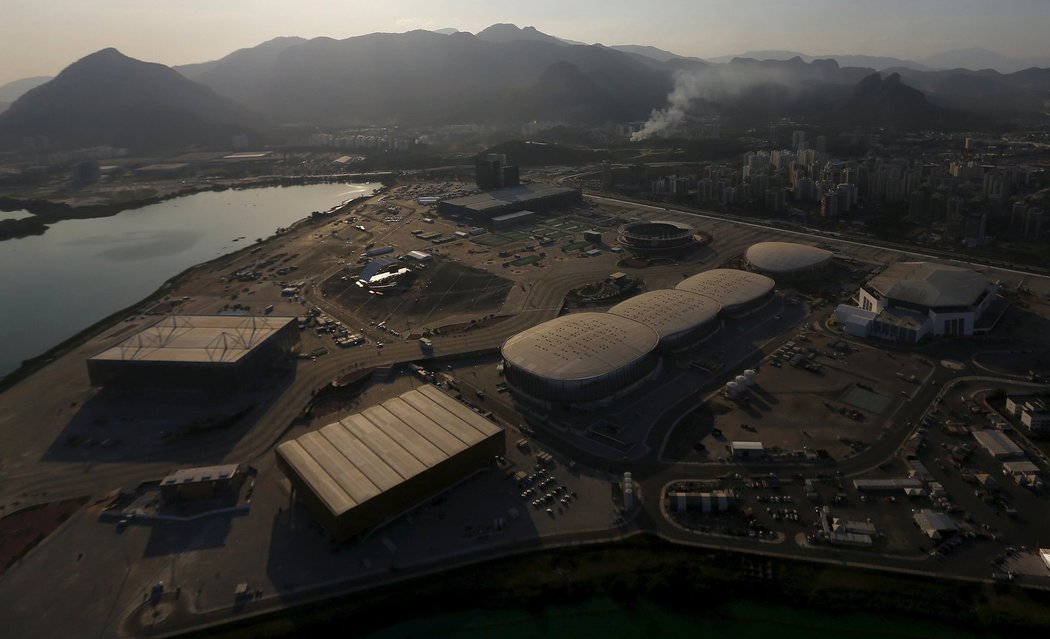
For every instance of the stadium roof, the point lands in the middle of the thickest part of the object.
(730, 287)
(669, 311)
(349, 462)
(785, 257)
(658, 227)
(502, 197)
(580, 346)
(929, 284)
(197, 338)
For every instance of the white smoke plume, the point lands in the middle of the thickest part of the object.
(687, 88)
(712, 84)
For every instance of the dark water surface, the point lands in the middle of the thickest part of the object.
(79, 271)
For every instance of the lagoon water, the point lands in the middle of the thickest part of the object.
(609, 620)
(79, 271)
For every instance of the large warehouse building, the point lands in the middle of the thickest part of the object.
(678, 317)
(739, 292)
(911, 300)
(580, 357)
(787, 259)
(201, 351)
(372, 466)
(482, 207)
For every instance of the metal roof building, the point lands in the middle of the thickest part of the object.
(489, 204)
(997, 444)
(376, 464)
(678, 317)
(887, 485)
(935, 524)
(739, 292)
(926, 285)
(196, 349)
(579, 357)
(786, 258)
(203, 482)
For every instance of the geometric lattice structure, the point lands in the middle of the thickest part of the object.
(221, 348)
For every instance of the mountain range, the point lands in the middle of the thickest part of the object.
(501, 75)
(108, 98)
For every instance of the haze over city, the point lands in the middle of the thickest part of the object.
(180, 32)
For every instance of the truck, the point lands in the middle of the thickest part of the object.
(426, 345)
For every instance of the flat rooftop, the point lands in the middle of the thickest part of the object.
(997, 443)
(351, 461)
(196, 338)
(502, 197)
(201, 474)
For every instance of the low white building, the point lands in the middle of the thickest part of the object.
(748, 450)
(1035, 417)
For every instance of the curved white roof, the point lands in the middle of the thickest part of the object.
(930, 284)
(785, 257)
(730, 287)
(669, 311)
(580, 346)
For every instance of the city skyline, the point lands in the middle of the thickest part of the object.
(174, 33)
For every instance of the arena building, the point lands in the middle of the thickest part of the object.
(911, 300)
(680, 318)
(374, 465)
(482, 207)
(739, 292)
(580, 357)
(786, 259)
(657, 237)
(197, 351)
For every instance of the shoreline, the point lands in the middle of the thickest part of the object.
(642, 568)
(44, 211)
(34, 364)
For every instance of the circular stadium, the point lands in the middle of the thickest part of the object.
(739, 292)
(786, 259)
(657, 237)
(680, 318)
(580, 357)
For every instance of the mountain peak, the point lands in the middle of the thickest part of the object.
(110, 98)
(109, 53)
(505, 32)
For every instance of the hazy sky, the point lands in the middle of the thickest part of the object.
(40, 37)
